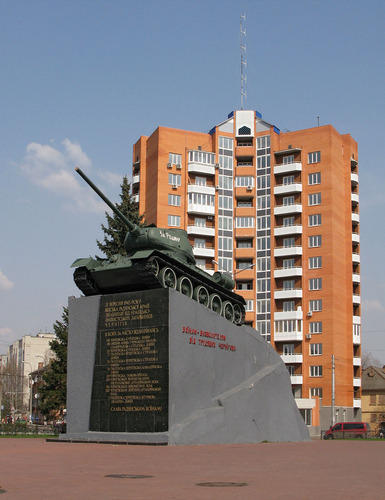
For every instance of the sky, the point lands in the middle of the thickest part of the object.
(82, 80)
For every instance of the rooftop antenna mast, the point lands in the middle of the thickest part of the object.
(243, 57)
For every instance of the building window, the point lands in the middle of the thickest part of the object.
(287, 180)
(200, 181)
(288, 305)
(314, 178)
(288, 200)
(315, 262)
(199, 243)
(263, 243)
(315, 284)
(249, 306)
(225, 264)
(263, 142)
(244, 221)
(288, 242)
(373, 399)
(263, 306)
(244, 243)
(244, 181)
(291, 370)
(263, 181)
(263, 264)
(225, 243)
(288, 349)
(288, 159)
(174, 200)
(314, 199)
(244, 264)
(174, 220)
(263, 202)
(226, 162)
(225, 202)
(201, 263)
(315, 305)
(315, 349)
(174, 159)
(316, 371)
(315, 220)
(201, 199)
(244, 285)
(175, 179)
(225, 182)
(225, 223)
(201, 157)
(245, 203)
(200, 222)
(288, 284)
(263, 285)
(263, 222)
(315, 327)
(288, 221)
(315, 241)
(316, 391)
(288, 263)
(314, 157)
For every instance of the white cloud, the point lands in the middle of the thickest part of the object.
(5, 283)
(5, 331)
(54, 170)
(111, 178)
(373, 306)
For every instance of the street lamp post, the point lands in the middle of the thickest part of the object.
(30, 391)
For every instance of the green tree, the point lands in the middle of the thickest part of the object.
(115, 230)
(53, 392)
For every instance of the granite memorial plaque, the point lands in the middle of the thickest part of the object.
(130, 384)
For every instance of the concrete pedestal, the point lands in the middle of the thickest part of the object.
(157, 367)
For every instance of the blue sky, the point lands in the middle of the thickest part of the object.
(82, 80)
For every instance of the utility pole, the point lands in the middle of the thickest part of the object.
(333, 390)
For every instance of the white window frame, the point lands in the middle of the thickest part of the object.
(315, 327)
(315, 220)
(315, 241)
(315, 371)
(314, 199)
(174, 200)
(174, 179)
(315, 284)
(315, 305)
(314, 178)
(315, 262)
(315, 349)
(314, 157)
(174, 220)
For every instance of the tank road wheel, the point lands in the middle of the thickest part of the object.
(228, 311)
(154, 264)
(185, 286)
(216, 303)
(167, 277)
(238, 314)
(201, 295)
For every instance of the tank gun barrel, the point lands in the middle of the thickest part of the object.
(133, 228)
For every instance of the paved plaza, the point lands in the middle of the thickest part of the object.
(37, 469)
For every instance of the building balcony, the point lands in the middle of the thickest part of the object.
(201, 230)
(295, 293)
(355, 217)
(244, 151)
(245, 253)
(287, 230)
(292, 358)
(201, 168)
(204, 252)
(356, 403)
(288, 188)
(290, 167)
(356, 258)
(355, 238)
(287, 272)
(244, 192)
(135, 179)
(354, 178)
(356, 320)
(296, 208)
(305, 403)
(357, 381)
(135, 198)
(356, 299)
(356, 278)
(296, 379)
(357, 361)
(287, 251)
(195, 208)
(197, 188)
(355, 198)
(287, 315)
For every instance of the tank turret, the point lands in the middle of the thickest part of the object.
(157, 257)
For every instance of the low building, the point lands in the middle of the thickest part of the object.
(373, 397)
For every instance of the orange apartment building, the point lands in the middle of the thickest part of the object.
(279, 211)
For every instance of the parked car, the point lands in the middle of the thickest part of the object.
(346, 430)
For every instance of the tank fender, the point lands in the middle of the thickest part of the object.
(87, 262)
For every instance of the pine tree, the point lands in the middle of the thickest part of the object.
(53, 392)
(115, 230)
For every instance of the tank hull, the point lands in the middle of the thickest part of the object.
(154, 269)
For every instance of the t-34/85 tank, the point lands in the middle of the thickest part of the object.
(157, 257)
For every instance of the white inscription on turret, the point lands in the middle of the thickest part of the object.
(169, 236)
